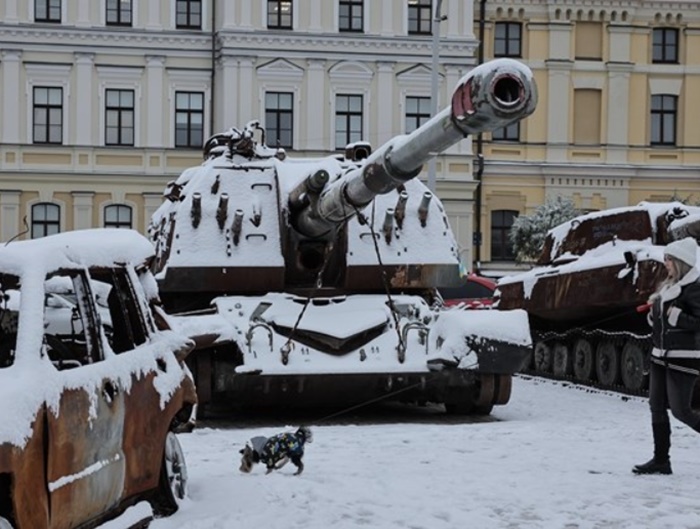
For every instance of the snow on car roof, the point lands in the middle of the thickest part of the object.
(75, 249)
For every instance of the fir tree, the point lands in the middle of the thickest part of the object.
(528, 232)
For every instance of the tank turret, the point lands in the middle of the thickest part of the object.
(259, 235)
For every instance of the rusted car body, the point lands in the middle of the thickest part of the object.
(583, 295)
(89, 414)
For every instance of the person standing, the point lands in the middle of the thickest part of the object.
(675, 357)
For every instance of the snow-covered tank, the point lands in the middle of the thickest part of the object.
(586, 296)
(314, 280)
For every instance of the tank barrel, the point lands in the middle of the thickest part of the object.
(492, 95)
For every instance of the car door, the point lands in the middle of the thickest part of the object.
(86, 467)
(146, 420)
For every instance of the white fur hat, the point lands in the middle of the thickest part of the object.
(685, 250)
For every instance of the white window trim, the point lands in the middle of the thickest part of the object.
(187, 81)
(205, 17)
(134, 14)
(116, 201)
(665, 87)
(49, 76)
(295, 15)
(63, 12)
(292, 88)
(114, 78)
(365, 18)
(405, 94)
(47, 198)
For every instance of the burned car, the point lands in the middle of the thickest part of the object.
(93, 399)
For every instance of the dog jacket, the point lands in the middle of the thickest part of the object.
(280, 446)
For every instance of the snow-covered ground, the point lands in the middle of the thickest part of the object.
(557, 456)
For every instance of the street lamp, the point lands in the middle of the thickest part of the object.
(437, 18)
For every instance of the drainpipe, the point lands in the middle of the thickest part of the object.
(478, 239)
(212, 106)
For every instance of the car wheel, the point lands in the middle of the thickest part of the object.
(173, 477)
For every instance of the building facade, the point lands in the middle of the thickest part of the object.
(617, 123)
(102, 102)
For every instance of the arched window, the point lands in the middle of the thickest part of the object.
(45, 219)
(501, 222)
(117, 216)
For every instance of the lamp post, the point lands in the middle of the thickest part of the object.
(437, 18)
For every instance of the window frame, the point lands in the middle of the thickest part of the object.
(658, 117)
(49, 8)
(47, 108)
(188, 14)
(416, 14)
(278, 113)
(348, 115)
(189, 112)
(46, 223)
(509, 133)
(351, 18)
(500, 231)
(281, 18)
(664, 46)
(417, 118)
(118, 223)
(121, 111)
(120, 13)
(508, 40)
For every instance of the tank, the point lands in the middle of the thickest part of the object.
(587, 295)
(313, 281)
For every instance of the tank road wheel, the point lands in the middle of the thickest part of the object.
(632, 366)
(485, 400)
(561, 359)
(607, 363)
(504, 384)
(584, 360)
(542, 357)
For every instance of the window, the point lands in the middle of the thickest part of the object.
(665, 45)
(348, 120)
(117, 216)
(417, 112)
(508, 39)
(119, 117)
(188, 14)
(48, 115)
(589, 40)
(587, 112)
(420, 17)
(120, 313)
(351, 15)
(509, 133)
(189, 119)
(279, 14)
(45, 220)
(279, 118)
(71, 334)
(47, 11)
(118, 13)
(501, 222)
(663, 119)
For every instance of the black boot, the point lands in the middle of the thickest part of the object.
(660, 463)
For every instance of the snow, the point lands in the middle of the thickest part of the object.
(32, 376)
(557, 456)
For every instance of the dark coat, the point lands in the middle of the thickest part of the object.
(675, 322)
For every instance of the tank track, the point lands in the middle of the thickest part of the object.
(611, 360)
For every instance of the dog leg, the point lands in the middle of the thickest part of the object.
(299, 464)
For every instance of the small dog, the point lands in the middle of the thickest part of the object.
(276, 451)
